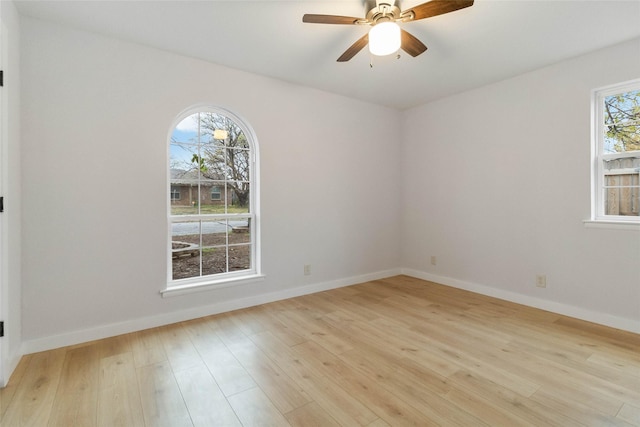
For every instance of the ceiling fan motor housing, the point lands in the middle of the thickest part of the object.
(381, 11)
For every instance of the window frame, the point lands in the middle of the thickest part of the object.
(219, 193)
(229, 278)
(174, 191)
(598, 158)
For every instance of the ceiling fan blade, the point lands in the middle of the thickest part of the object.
(411, 44)
(355, 48)
(437, 7)
(329, 19)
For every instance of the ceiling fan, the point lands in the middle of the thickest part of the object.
(382, 16)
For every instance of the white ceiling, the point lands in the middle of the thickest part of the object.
(488, 42)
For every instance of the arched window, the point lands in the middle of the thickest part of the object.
(212, 197)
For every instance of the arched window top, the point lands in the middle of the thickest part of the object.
(212, 118)
(212, 198)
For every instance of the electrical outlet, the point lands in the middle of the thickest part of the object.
(434, 260)
(307, 270)
(541, 281)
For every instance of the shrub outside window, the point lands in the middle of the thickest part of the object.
(616, 153)
(213, 221)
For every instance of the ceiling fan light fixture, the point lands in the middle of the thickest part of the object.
(384, 38)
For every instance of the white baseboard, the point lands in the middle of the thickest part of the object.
(10, 366)
(552, 306)
(132, 325)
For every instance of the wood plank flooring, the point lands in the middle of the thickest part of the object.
(392, 352)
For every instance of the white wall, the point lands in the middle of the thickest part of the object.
(96, 114)
(10, 292)
(496, 186)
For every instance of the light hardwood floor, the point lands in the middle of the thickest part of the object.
(391, 352)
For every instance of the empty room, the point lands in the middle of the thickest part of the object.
(320, 213)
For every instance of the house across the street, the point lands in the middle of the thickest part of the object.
(184, 189)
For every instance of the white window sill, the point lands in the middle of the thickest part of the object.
(612, 225)
(210, 285)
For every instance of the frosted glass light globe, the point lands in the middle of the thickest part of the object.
(384, 38)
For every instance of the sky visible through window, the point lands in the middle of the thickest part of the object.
(185, 132)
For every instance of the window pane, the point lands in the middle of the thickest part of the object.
(214, 260)
(186, 267)
(186, 231)
(214, 163)
(186, 130)
(240, 231)
(237, 139)
(240, 197)
(622, 195)
(181, 155)
(622, 122)
(214, 198)
(185, 249)
(209, 137)
(184, 197)
(622, 107)
(214, 242)
(238, 164)
(214, 233)
(620, 139)
(239, 257)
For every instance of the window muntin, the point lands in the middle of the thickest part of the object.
(216, 193)
(213, 224)
(616, 170)
(175, 193)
